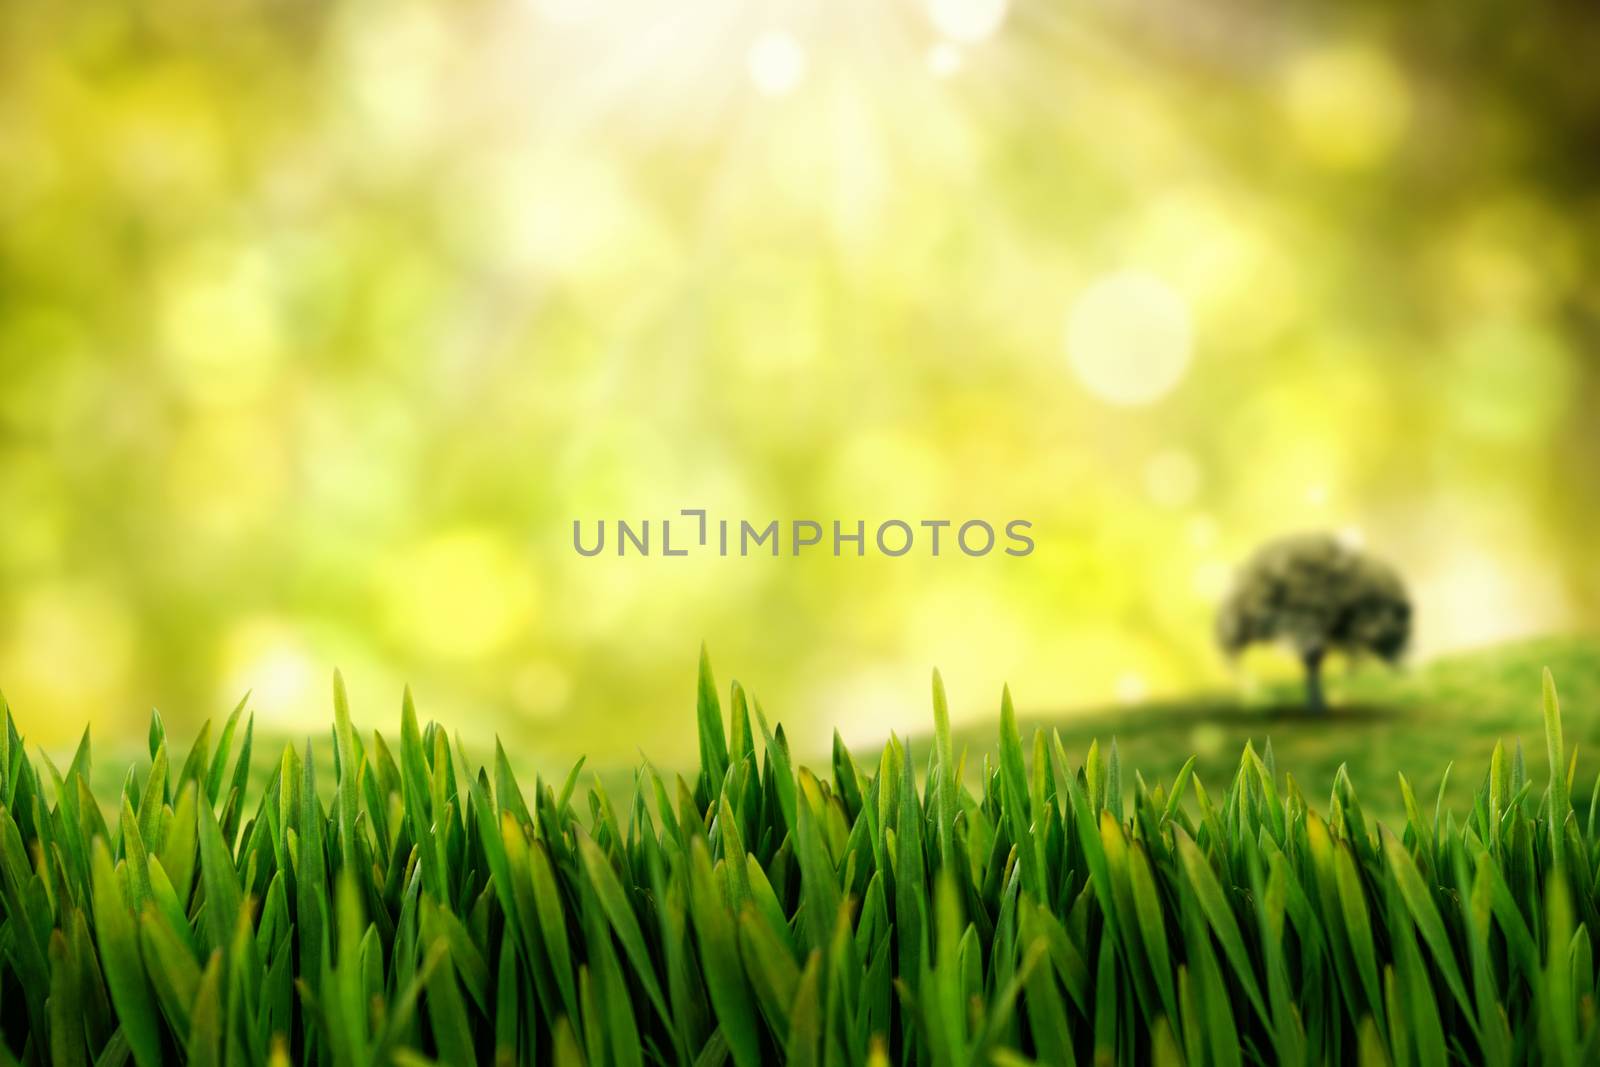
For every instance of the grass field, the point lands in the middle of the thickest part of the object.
(1417, 720)
(1032, 905)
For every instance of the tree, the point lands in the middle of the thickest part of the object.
(1316, 594)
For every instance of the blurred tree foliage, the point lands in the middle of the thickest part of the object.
(1319, 597)
(319, 323)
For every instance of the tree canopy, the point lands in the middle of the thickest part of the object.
(1316, 594)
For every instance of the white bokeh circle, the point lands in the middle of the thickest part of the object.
(1129, 338)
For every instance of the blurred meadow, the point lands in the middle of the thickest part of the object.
(320, 324)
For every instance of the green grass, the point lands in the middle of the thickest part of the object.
(924, 908)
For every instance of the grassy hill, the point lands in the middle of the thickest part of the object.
(1382, 722)
(1416, 720)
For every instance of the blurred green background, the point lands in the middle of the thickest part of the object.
(321, 323)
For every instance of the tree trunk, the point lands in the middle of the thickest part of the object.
(1313, 665)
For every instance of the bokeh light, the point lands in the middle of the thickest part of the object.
(1129, 337)
(944, 59)
(73, 645)
(459, 595)
(276, 664)
(777, 63)
(319, 326)
(1348, 105)
(967, 21)
(1172, 478)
